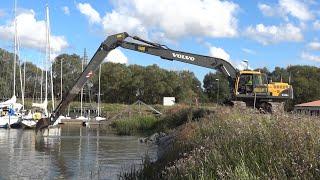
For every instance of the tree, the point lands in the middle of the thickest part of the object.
(33, 79)
(114, 78)
(210, 84)
(189, 87)
(71, 69)
(305, 81)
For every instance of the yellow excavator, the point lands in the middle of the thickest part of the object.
(247, 88)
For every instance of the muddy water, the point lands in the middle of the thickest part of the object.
(69, 153)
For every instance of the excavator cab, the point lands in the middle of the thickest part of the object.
(252, 82)
(255, 83)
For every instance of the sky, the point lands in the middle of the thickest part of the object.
(266, 33)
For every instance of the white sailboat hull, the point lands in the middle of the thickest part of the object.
(13, 121)
(29, 123)
(82, 118)
(59, 120)
(100, 118)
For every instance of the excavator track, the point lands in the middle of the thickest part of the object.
(239, 104)
(277, 107)
(264, 107)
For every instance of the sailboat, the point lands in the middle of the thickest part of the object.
(61, 117)
(10, 116)
(10, 113)
(81, 117)
(98, 118)
(29, 120)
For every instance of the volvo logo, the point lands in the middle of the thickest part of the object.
(181, 56)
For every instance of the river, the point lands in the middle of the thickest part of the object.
(69, 153)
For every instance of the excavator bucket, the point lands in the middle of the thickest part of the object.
(42, 123)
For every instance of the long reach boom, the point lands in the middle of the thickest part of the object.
(143, 46)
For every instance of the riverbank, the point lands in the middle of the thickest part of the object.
(231, 143)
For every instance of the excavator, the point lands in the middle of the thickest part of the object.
(247, 87)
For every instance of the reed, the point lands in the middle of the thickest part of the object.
(241, 144)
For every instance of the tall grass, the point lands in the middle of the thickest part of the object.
(234, 144)
(136, 124)
(150, 124)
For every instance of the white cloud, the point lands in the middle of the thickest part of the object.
(66, 10)
(32, 33)
(267, 10)
(310, 57)
(219, 53)
(174, 19)
(89, 12)
(116, 56)
(316, 25)
(297, 9)
(248, 51)
(115, 22)
(222, 54)
(314, 45)
(284, 8)
(274, 34)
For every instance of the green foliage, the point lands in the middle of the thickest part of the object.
(33, 79)
(233, 144)
(176, 118)
(305, 81)
(71, 69)
(135, 124)
(212, 86)
(150, 124)
(127, 84)
(6, 73)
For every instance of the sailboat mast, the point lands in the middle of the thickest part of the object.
(24, 82)
(81, 95)
(24, 79)
(99, 98)
(15, 48)
(49, 57)
(61, 78)
(41, 83)
(20, 73)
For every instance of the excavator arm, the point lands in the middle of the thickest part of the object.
(119, 40)
(165, 53)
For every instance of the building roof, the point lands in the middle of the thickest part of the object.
(309, 104)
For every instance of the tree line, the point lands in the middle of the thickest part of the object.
(128, 83)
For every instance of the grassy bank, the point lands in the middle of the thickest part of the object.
(137, 124)
(233, 144)
(148, 124)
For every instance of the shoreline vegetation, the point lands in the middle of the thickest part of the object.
(229, 143)
(212, 142)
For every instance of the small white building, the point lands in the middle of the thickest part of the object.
(169, 101)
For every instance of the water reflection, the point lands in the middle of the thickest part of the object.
(68, 153)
